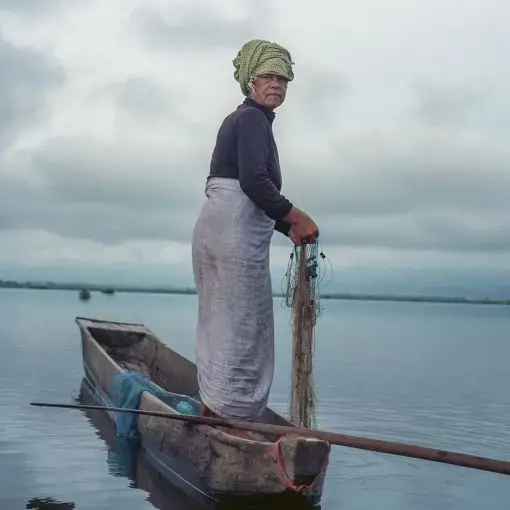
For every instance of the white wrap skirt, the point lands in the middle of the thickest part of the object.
(235, 331)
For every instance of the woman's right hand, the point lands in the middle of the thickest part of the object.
(302, 226)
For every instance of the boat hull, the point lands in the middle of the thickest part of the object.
(203, 461)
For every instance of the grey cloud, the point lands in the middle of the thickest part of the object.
(32, 7)
(142, 97)
(395, 195)
(410, 192)
(409, 172)
(87, 190)
(103, 222)
(452, 232)
(317, 95)
(447, 105)
(27, 77)
(199, 27)
(427, 188)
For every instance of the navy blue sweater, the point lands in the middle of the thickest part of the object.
(246, 150)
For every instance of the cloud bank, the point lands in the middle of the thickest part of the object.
(394, 136)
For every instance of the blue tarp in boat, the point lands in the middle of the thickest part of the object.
(126, 390)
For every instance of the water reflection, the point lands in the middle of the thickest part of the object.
(49, 504)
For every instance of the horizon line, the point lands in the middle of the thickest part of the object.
(111, 289)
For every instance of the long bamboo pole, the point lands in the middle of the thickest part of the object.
(362, 443)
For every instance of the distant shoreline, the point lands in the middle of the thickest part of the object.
(191, 291)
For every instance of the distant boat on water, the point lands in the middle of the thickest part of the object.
(84, 295)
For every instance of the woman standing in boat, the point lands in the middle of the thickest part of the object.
(231, 242)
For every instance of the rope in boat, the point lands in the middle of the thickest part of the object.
(279, 461)
(305, 274)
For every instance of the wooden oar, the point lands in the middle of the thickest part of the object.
(362, 443)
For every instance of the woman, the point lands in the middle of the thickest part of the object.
(231, 242)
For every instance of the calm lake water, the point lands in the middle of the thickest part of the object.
(435, 375)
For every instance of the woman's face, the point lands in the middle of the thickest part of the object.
(269, 90)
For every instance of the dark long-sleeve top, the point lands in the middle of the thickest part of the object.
(246, 150)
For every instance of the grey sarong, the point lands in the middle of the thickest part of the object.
(235, 333)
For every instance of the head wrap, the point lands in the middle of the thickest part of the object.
(258, 57)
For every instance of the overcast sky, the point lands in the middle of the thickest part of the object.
(395, 135)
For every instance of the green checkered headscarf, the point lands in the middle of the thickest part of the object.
(258, 57)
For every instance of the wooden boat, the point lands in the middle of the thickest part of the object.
(205, 461)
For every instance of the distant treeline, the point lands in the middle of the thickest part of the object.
(106, 289)
(10, 284)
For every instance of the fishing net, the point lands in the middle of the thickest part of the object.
(305, 274)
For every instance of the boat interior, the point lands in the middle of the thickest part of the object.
(135, 348)
(138, 350)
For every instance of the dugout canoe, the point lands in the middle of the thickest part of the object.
(206, 462)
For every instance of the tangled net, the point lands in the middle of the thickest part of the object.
(302, 279)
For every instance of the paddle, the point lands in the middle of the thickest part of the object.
(362, 443)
